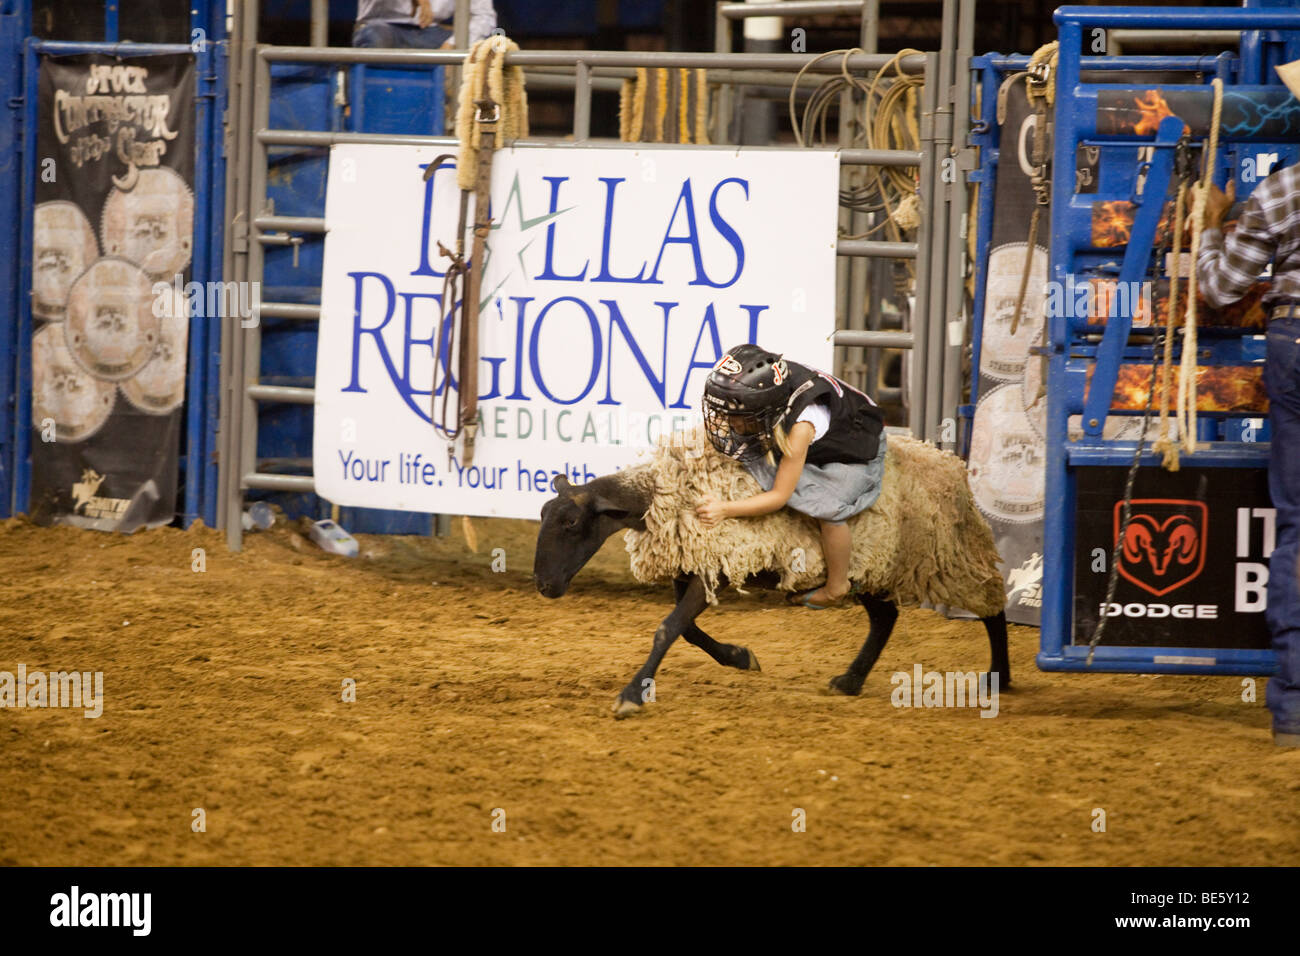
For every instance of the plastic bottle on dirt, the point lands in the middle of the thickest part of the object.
(334, 539)
(259, 516)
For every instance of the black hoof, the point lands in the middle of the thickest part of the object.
(845, 685)
(751, 662)
(624, 708)
(1004, 682)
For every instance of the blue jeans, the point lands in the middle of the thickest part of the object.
(379, 34)
(1282, 379)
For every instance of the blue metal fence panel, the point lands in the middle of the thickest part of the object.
(1073, 254)
(14, 27)
(204, 396)
(23, 340)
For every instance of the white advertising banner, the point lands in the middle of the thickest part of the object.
(614, 279)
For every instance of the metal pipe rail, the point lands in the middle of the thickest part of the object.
(729, 74)
(123, 48)
(870, 339)
(290, 394)
(1196, 63)
(293, 137)
(868, 248)
(1189, 18)
(791, 62)
(264, 481)
(781, 8)
(290, 223)
(299, 311)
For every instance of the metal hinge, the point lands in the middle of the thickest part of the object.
(239, 234)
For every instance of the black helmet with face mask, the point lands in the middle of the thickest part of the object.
(744, 397)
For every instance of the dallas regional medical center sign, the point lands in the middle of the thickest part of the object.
(613, 280)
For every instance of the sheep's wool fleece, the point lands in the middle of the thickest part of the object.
(923, 541)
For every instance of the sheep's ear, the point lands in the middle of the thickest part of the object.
(559, 483)
(611, 507)
(616, 500)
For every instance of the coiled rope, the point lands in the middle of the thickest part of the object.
(889, 121)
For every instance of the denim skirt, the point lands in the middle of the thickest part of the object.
(832, 492)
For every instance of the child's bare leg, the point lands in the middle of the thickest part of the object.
(836, 545)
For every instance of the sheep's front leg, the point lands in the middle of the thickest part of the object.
(728, 655)
(691, 602)
(883, 614)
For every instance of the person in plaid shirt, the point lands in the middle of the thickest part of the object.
(1268, 230)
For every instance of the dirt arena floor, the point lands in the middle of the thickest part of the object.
(474, 695)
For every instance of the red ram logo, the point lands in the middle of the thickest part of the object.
(1164, 544)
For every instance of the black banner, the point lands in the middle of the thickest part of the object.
(1193, 563)
(1260, 113)
(112, 248)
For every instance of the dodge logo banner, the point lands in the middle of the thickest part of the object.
(1164, 545)
(1193, 562)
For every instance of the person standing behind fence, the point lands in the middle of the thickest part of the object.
(417, 24)
(1268, 230)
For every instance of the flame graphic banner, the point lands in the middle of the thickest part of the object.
(1246, 313)
(1219, 388)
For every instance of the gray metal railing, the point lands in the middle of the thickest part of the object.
(251, 225)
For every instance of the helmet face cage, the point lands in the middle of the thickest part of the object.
(739, 433)
(744, 398)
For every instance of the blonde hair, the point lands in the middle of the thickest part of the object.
(781, 440)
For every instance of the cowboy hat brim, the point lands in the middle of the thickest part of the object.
(1290, 74)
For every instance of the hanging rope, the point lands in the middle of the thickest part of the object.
(1187, 391)
(1045, 58)
(493, 108)
(1166, 446)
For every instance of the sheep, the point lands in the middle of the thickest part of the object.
(923, 541)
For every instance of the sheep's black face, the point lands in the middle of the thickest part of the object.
(573, 529)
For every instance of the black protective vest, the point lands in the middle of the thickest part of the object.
(856, 422)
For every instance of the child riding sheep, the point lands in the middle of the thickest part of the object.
(811, 441)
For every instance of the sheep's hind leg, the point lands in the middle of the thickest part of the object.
(1001, 661)
(728, 655)
(883, 614)
(689, 605)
